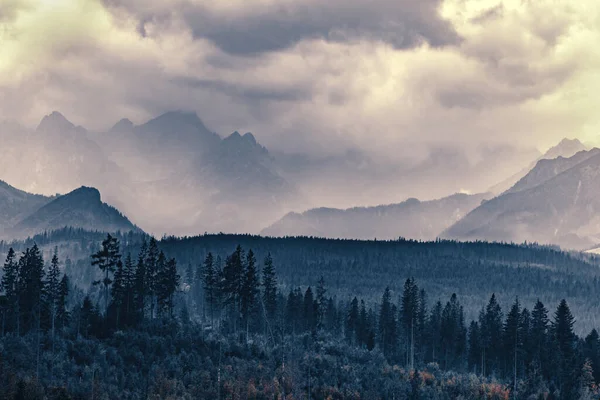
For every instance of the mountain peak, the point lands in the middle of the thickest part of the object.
(234, 136)
(123, 125)
(85, 193)
(249, 137)
(566, 148)
(55, 122)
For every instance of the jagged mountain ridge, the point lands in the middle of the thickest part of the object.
(566, 149)
(170, 172)
(414, 219)
(563, 209)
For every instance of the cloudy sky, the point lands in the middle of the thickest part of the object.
(380, 75)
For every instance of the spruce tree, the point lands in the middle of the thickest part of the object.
(139, 290)
(210, 282)
(9, 283)
(409, 309)
(107, 259)
(352, 322)
(151, 270)
(387, 324)
(62, 316)
(269, 284)
(321, 303)
(565, 341)
(53, 290)
(250, 289)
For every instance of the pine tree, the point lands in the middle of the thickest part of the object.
(31, 289)
(118, 292)
(53, 290)
(151, 270)
(107, 259)
(129, 285)
(62, 315)
(592, 352)
(565, 340)
(513, 340)
(309, 311)
(538, 337)
(139, 290)
(321, 303)
(491, 326)
(210, 282)
(167, 282)
(474, 357)
(269, 284)
(452, 333)
(9, 284)
(387, 324)
(352, 322)
(250, 290)
(409, 309)
(233, 278)
(434, 331)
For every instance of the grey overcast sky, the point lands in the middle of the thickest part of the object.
(383, 76)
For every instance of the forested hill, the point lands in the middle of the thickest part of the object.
(472, 270)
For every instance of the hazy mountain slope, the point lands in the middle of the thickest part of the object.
(55, 158)
(16, 204)
(81, 208)
(547, 169)
(411, 219)
(564, 210)
(566, 148)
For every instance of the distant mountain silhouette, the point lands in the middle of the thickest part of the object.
(81, 208)
(16, 204)
(557, 202)
(566, 148)
(414, 219)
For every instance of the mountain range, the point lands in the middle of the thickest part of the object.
(173, 175)
(414, 219)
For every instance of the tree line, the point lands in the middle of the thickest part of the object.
(241, 299)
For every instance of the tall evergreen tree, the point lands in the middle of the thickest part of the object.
(139, 290)
(211, 285)
(167, 282)
(321, 303)
(53, 290)
(9, 283)
(538, 337)
(409, 310)
(565, 341)
(491, 325)
(513, 340)
(352, 322)
(151, 271)
(250, 289)
(62, 315)
(269, 284)
(107, 259)
(387, 324)
(309, 311)
(233, 279)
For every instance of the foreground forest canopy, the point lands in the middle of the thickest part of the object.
(233, 324)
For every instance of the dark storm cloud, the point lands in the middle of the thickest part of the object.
(401, 23)
(265, 28)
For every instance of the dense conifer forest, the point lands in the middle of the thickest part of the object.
(244, 317)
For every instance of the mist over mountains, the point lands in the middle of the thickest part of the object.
(173, 175)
